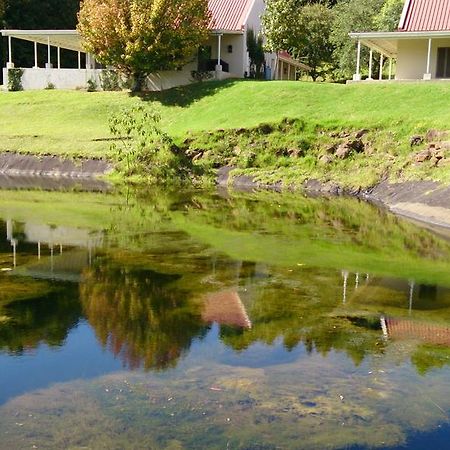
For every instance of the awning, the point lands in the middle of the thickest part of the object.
(66, 39)
(387, 42)
(287, 58)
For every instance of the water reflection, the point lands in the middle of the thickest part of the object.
(306, 316)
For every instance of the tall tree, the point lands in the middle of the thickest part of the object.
(143, 36)
(389, 16)
(314, 24)
(351, 15)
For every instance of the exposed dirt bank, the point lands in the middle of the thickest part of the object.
(425, 201)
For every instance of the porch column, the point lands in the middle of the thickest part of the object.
(381, 67)
(219, 44)
(357, 75)
(59, 57)
(390, 68)
(427, 75)
(10, 64)
(370, 64)
(35, 55)
(48, 65)
(289, 72)
(79, 60)
(281, 70)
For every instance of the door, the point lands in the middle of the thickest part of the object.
(443, 62)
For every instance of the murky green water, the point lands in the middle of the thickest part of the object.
(195, 320)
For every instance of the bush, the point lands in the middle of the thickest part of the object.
(201, 75)
(15, 79)
(50, 86)
(91, 85)
(143, 149)
(110, 80)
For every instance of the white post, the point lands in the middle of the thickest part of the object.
(10, 64)
(79, 60)
(219, 66)
(390, 68)
(219, 45)
(357, 75)
(281, 70)
(370, 64)
(381, 67)
(427, 75)
(289, 72)
(35, 55)
(59, 58)
(48, 65)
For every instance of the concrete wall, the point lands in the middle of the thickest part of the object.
(60, 78)
(412, 58)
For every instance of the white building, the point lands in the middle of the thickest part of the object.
(224, 54)
(420, 46)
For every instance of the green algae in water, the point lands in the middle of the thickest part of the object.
(247, 321)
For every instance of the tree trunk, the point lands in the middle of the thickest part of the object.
(138, 82)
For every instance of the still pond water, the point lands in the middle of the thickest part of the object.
(193, 320)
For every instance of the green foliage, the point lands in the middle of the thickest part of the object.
(389, 16)
(50, 86)
(146, 150)
(91, 85)
(143, 36)
(110, 80)
(255, 50)
(201, 75)
(351, 16)
(15, 79)
(314, 24)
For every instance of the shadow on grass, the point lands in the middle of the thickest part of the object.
(185, 95)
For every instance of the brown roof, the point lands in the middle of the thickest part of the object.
(225, 308)
(410, 329)
(229, 15)
(425, 15)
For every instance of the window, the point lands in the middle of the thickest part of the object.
(230, 49)
(443, 63)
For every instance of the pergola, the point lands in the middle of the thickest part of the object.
(61, 39)
(387, 43)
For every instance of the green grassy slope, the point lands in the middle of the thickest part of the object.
(75, 122)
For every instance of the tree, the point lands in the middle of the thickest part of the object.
(255, 50)
(302, 28)
(140, 37)
(389, 16)
(351, 15)
(314, 25)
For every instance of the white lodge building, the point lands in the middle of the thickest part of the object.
(224, 55)
(420, 46)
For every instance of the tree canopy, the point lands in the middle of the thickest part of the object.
(143, 36)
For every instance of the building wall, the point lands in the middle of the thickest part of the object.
(412, 58)
(234, 59)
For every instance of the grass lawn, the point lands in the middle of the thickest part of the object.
(76, 122)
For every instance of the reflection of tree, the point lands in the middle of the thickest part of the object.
(139, 315)
(43, 319)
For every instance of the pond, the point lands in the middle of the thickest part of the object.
(220, 320)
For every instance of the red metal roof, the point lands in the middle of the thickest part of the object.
(426, 15)
(228, 15)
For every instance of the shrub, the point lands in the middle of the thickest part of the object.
(201, 75)
(91, 85)
(110, 80)
(144, 148)
(50, 86)
(15, 79)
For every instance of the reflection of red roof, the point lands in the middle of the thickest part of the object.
(228, 15)
(426, 15)
(225, 308)
(410, 329)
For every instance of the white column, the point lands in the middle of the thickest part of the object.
(289, 72)
(10, 64)
(390, 68)
(370, 64)
(381, 67)
(281, 70)
(59, 57)
(48, 65)
(219, 45)
(357, 75)
(427, 75)
(36, 56)
(79, 60)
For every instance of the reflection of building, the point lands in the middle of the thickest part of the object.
(225, 308)
(60, 264)
(411, 329)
